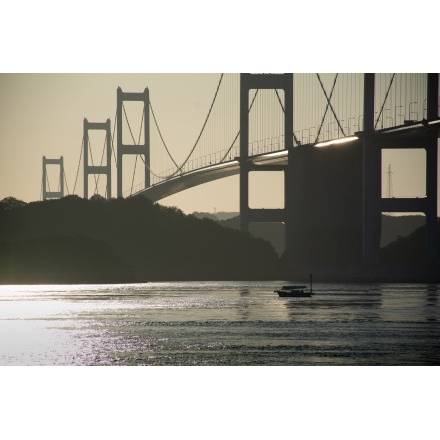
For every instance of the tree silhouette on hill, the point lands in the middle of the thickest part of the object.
(119, 240)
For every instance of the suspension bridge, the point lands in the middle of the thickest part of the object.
(281, 123)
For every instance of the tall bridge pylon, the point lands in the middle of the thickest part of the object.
(142, 149)
(47, 194)
(373, 142)
(262, 81)
(97, 169)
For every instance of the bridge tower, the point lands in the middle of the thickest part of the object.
(133, 149)
(421, 136)
(431, 148)
(248, 82)
(335, 202)
(53, 194)
(97, 169)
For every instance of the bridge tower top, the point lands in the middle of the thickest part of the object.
(142, 149)
(97, 169)
(248, 82)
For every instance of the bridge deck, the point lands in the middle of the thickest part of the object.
(405, 136)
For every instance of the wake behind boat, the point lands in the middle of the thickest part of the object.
(295, 291)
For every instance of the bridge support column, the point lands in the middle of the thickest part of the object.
(244, 195)
(122, 148)
(431, 194)
(433, 96)
(371, 198)
(97, 169)
(261, 81)
(432, 172)
(372, 178)
(53, 194)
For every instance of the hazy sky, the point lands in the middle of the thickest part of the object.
(42, 113)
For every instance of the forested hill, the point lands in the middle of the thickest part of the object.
(409, 251)
(73, 240)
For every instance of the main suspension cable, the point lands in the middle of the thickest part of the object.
(113, 138)
(328, 103)
(47, 182)
(102, 160)
(282, 106)
(128, 123)
(135, 163)
(179, 167)
(79, 163)
(160, 134)
(238, 134)
(91, 157)
(384, 101)
(65, 181)
(203, 128)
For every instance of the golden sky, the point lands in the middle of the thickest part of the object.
(42, 113)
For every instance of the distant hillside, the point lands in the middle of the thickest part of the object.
(396, 227)
(271, 232)
(216, 215)
(409, 250)
(73, 240)
(274, 233)
(393, 227)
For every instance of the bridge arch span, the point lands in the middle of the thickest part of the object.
(209, 174)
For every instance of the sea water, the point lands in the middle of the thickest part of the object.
(219, 323)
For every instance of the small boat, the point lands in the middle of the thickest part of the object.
(295, 291)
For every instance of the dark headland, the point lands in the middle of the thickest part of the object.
(74, 240)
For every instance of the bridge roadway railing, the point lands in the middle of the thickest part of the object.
(190, 166)
(263, 146)
(400, 117)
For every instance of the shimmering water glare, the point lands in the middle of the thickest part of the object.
(219, 323)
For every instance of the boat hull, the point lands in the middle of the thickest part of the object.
(293, 294)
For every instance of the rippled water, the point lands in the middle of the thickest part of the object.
(219, 323)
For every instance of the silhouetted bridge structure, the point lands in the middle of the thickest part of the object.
(324, 132)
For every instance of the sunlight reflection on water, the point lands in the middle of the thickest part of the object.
(215, 323)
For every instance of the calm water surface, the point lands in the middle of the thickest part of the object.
(219, 323)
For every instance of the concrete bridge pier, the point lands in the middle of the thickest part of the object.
(371, 178)
(324, 209)
(371, 197)
(244, 194)
(431, 194)
(432, 171)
